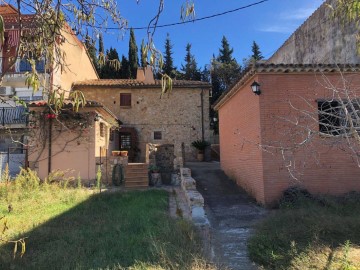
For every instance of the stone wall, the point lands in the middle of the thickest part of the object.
(107, 165)
(320, 39)
(177, 116)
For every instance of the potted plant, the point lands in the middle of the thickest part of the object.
(115, 153)
(200, 145)
(124, 153)
(155, 178)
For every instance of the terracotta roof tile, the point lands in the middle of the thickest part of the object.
(286, 68)
(135, 83)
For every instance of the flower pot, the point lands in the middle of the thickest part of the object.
(200, 156)
(115, 153)
(155, 179)
(124, 153)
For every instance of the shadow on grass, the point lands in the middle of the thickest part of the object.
(108, 230)
(304, 232)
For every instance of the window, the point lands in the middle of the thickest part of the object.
(125, 100)
(157, 135)
(125, 141)
(337, 117)
(102, 130)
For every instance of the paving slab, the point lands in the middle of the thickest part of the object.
(232, 214)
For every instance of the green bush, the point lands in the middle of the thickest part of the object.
(200, 144)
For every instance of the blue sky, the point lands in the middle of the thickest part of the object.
(269, 24)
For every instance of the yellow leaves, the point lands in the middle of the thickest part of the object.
(78, 99)
(115, 63)
(32, 78)
(166, 84)
(2, 30)
(187, 11)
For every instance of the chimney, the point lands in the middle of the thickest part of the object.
(145, 75)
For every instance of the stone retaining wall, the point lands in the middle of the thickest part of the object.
(194, 199)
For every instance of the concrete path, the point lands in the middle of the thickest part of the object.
(231, 212)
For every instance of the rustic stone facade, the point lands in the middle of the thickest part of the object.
(320, 39)
(180, 117)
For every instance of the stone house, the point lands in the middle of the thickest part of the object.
(13, 117)
(177, 118)
(279, 138)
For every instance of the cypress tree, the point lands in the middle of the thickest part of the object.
(256, 53)
(143, 57)
(101, 44)
(190, 70)
(90, 46)
(168, 67)
(133, 55)
(125, 68)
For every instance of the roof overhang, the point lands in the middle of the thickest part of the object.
(249, 73)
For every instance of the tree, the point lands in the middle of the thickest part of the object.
(133, 55)
(125, 68)
(108, 71)
(190, 70)
(168, 67)
(225, 53)
(90, 46)
(256, 53)
(224, 69)
(143, 58)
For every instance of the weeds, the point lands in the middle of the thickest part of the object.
(310, 233)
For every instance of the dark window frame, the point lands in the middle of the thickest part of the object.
(125, 100)
(332, 116)
(157, 135)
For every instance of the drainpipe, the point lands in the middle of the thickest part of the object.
(202, 114)
(50, 138)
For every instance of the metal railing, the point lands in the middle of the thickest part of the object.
(21, 65)
(16, 115)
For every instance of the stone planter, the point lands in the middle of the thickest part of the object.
(200, 156)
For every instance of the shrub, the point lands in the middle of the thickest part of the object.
(200, 144)
(293, 196)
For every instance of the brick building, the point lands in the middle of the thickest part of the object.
(277, 139)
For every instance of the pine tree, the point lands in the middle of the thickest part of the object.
(133, 55)
(225, 55)
(256, 53)
(143, 56)
(168, 67)
(190, 71)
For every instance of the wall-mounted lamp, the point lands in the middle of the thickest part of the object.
(255, 87)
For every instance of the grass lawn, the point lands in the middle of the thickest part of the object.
(73, 228)
(321, 233)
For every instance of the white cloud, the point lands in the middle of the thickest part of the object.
(277, 29)
(299, 14)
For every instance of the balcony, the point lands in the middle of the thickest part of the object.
(13, 116)
(21, 65)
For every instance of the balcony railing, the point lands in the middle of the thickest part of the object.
(21, 65)
(16, 115)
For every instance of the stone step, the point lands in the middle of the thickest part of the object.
(138, 184)
(135, 179)
(136, 174)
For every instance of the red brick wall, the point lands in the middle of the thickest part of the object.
(239, 128)
(289, 109)
(321, 164)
